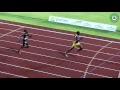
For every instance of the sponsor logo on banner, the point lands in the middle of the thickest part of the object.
(77, 22)
(114, 17)
(53, 19)
(62, 20)
(83, 23)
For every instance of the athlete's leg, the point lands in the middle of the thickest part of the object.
(80, 48)
(21, 47)
(73, 46)
(70, 49)
(26, 43)
(27, 46)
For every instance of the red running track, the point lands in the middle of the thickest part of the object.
(44, 60)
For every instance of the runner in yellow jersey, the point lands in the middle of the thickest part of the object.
(76, 43)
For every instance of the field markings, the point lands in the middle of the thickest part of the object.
(67, 60)
(63, 46)
(64, 52)
(33, 70)
(10, 32)
(86, 70)
(57, 32)
(54, 32)
(19, 76)
(66, 45)
(29, 60)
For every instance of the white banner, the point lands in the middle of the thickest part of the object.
(83, 23)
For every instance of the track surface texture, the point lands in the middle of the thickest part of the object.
(45, 57)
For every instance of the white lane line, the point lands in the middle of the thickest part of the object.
(64, 46)
(52, 43)
(54, 37)
(10, 32)
(12, 74)
(57, 32)
(34, 70)
(63, 52)
(71, 41)
(64, 60)
(86, 70)
(29, 60)
(38, 62)
(66, 40)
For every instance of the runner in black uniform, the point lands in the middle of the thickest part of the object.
(24, 38)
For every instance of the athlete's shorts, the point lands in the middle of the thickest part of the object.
(75, 44)
(24, 41)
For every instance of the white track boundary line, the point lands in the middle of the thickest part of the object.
(55, 38)
(53, 65)
(34, 70)
(69, 53)
(12, 74)
(64, 46)
(70, 41)
(65, 60)
(119, 75)
(93, 59)
(10, 32)
(109, 40)
(57, 32)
